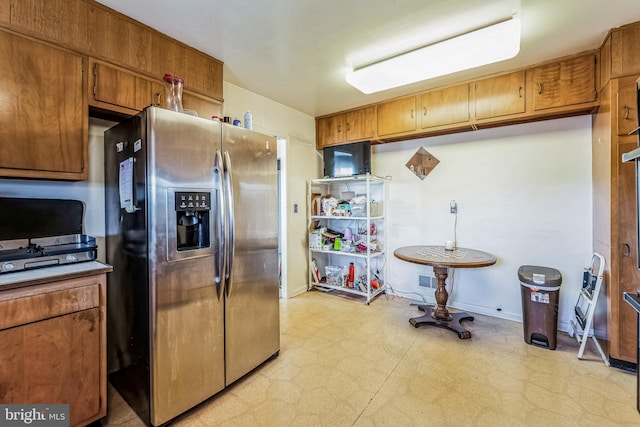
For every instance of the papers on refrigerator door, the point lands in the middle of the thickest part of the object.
(126, 185)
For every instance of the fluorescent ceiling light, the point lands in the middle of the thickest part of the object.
(481, 47)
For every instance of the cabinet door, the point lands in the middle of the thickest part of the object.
(115, 86)
(205, 107)
(445, 106)
(565, 83)
(624, 51)
(359, 124)
(54, 361)
(629, 276)
(500, 96)
(627, 106)
(62, 21)
(397, 116)
(44, 115)
(330, 130)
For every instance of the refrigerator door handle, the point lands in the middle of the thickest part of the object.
(230, 247)
(220, 222)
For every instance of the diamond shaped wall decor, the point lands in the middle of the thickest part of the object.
(422, 163)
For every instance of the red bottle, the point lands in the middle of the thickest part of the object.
(351, 279)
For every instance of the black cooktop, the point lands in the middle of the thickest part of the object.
(42, 232)
(27, 218)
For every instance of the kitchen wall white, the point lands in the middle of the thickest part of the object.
(523, 194)
(301, 162)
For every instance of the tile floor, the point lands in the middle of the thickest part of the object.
(343, 363)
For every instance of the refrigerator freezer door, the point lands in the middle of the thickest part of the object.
(252, 315)
(187, 312)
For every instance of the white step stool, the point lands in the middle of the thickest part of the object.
(586, 306)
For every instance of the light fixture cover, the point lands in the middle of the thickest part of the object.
(481, 47)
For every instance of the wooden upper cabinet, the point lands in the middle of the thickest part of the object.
(5, 12)
(565, 83)
(397, 116)
(205, 107)
(359, 124)
(100, 32)
(351, 126)
(139, 47)
(625, 59)
(605, 62)
(63, 21)
(500, 96)
(115, 86)
(445, 106)
(330, 130)
(44, 118)
(627, 106)
(117, 89)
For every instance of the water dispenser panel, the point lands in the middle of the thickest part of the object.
(192, 220)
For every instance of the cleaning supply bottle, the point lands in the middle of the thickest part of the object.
(248, 120)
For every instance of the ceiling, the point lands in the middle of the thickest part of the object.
(297, 52)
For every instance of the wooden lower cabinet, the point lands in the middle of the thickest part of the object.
(52, 346)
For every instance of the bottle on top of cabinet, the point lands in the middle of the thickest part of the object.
(248, 120)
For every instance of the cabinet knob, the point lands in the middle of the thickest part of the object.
(520, 92)
(627, 110)
(158, 96)
(412, 113)
(424, 111)
(627, 250)
(540, 88)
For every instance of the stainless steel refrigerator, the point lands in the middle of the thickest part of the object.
(192, 234)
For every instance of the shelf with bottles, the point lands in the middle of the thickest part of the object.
(366, 241)
(347, 227)
(354, 277)
(347, 198)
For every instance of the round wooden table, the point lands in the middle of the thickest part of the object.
(441, 260)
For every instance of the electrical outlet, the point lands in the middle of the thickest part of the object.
(453, 207)
(424, 281)
(427, 281)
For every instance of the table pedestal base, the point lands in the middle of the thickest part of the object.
(452, 324)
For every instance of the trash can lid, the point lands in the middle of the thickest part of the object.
(535, 275)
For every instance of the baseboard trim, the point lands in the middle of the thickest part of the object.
(622, 364)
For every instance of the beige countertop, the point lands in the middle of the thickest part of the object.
(50, 274)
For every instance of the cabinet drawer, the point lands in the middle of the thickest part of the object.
(26, 309)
